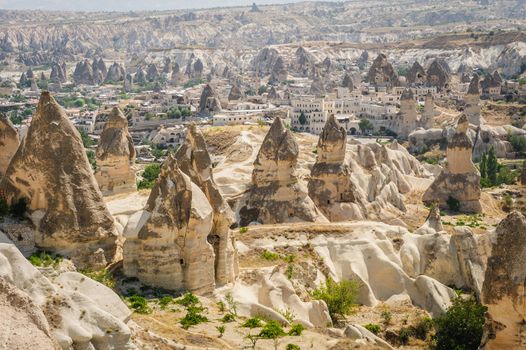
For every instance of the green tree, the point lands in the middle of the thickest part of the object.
(492, 166)
(87, 141)
(484, 166)
(149, 176)
(461, 327)
(340, 297)
(365, 125)
(302, 119)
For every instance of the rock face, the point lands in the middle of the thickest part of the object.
(347, 82)
(152, 73)
(51, 172)
(276, 195)
(69, 312)
(194, 161)
(209, 102)
(438, 74)
(330, 185)
(9, 142)
(115, 73)
(166, 244)
(83, 73)
(503, 289)
(235, 93)
(58, 73)
(472, 100)
(278, 72)
(115, 156)
(416, 75)
(382, 72)
(20, 314)
(460, 181)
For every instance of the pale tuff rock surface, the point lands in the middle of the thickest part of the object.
(209, 102)
(116, 72)
(382, 72)
(166, 244)
(265, 291)
(235, 93)
(460, 180)
(427, 119)
(330, 185)
(83, 73)
(23, 323)
(472, 100)
(416, 75)
(9, 142)
(503, 289)
(439, 74)
(115, 155)
(51, 171)
(433, 222)
(194, 161)
(79, 313)
(276, 195)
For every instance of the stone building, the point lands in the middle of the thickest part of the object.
(115, 156)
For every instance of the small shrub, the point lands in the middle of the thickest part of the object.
(139, 304)
(232, 304)
(403, 335)
(193, 317)
(289, 272)
(221, 306)
(453, 204)
(293, 347)
(423, 327)
(44, 259)
(228, 318)
(188, 300)
(296, 330)
(340, 297)
(165, 301)
(462, 325)
(386, 317)
(221, 330)
(287, 314)
(290, 258)
(150, 174)
(272, 330)
(19, 208)
(243, 229)
(254, 322)
(373, 328)
(507, 203)
(269, 256)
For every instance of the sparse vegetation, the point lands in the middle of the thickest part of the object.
(193, 317)
(293, 347)
(269, 256)
(373, 328)
(340, 297)
(386, 317)
(296, 330)
(228, 318)
(138, 304)
(254, 322)
(221, 330)
(102, 276)
(44, 259)
(243, 229)
(272, 330)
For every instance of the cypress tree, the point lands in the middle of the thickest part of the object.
(484, 166)
(492, 166)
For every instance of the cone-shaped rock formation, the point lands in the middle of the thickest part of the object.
(115, 156)
(51, 172)
(9, 142)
